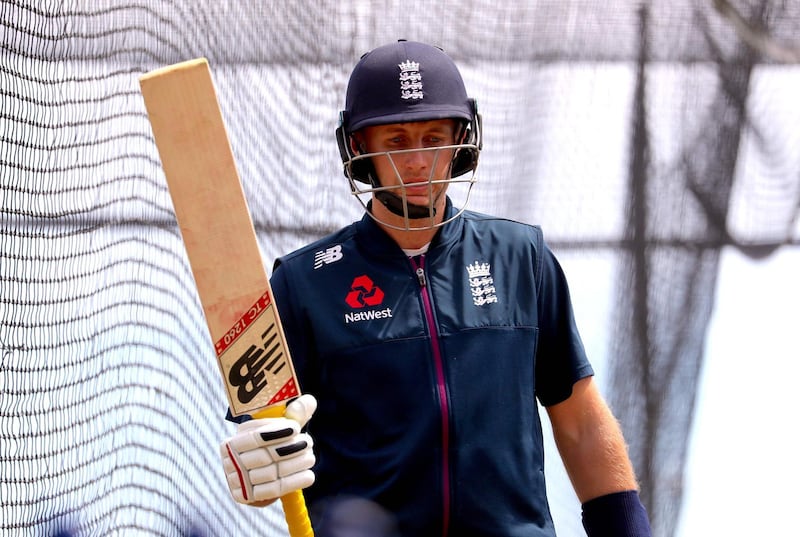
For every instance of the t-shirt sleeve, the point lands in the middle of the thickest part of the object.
(560, 358)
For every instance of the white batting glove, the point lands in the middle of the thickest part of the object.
(269, 457)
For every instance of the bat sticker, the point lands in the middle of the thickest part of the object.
(252, 359)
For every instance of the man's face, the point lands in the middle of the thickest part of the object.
(414, 169)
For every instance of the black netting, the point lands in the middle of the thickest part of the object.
(648, 137)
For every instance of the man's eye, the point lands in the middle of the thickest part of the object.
(435, 140)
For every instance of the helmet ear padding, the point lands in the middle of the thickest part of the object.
(466, 158)
(361, 170)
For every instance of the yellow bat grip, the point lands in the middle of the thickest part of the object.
(294, 505)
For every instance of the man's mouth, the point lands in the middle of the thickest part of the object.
(417, 186)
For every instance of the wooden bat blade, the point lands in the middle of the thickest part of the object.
(223, 251)
(218, 233)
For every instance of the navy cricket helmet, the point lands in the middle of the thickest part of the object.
(405, 82)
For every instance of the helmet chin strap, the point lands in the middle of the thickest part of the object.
(395, 205)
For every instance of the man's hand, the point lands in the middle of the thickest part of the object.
(269, 457)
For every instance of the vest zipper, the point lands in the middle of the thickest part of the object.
(441, 386)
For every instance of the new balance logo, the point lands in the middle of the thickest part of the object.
(364, 293)
(326, 257)
(249, 371)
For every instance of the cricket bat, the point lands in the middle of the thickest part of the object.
(222, 248)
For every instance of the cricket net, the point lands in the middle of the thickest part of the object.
(644, 139)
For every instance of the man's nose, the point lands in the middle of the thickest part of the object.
(417, 159)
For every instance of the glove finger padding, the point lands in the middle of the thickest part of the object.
(270, 457)
(301, 409)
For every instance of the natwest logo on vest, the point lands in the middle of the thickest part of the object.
(364, 293)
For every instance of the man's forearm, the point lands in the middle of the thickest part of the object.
(591, 444)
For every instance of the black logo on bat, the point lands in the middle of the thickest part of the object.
(249, 371)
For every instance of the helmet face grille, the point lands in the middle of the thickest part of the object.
(393, 195)
(403, 82)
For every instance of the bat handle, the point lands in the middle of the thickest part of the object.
(294, 504)
(294, 509)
